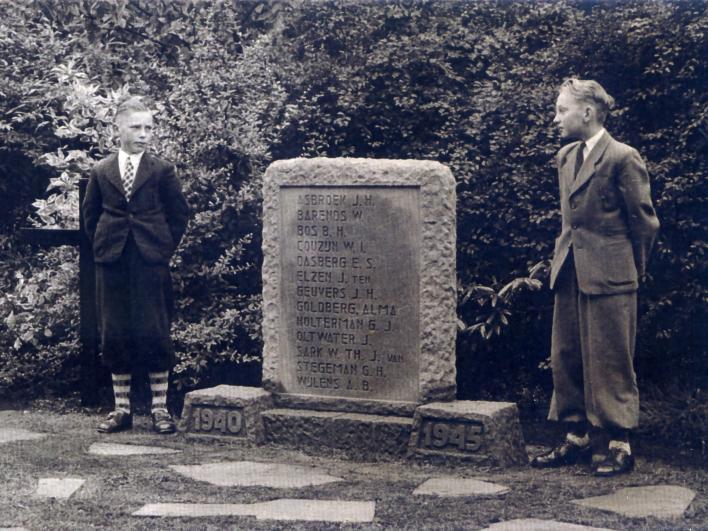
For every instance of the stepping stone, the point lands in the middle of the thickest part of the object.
(533, 524)
(250, 474)
(660, 501)
(128, 449)
(58, 487)
(282, 509)
(19, 434)
(457, 487)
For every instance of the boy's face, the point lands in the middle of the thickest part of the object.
(572, 116)
(135, 131)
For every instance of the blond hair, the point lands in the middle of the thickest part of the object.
(590, 91)
(131, 104)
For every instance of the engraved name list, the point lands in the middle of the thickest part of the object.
(350, 291)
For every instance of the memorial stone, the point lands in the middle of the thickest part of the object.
(359, 320)
(359, 284)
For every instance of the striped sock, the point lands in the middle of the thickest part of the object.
(121, 391)
(158, 388)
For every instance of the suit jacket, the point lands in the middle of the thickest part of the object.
(607, 217)
(156, 214)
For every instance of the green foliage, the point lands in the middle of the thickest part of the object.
(38, 333)
(676, 414)
(470, 84)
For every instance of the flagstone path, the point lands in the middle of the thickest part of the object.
(458, 487)
(282, 509)
(19, 434)
(533, 524)
(659, 501)
(211, 465)
(58, 487)
(115, 449)
(250, 474)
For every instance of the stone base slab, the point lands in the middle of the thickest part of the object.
(354, 432)
(350, 405)
(482, 432)
(226, 411)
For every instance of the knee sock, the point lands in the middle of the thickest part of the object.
(578, 433)
(121, 391)
(619, 438)
(158, 389)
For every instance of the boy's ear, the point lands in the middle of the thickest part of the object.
(588, 113)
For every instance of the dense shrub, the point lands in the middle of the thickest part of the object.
(471, 84)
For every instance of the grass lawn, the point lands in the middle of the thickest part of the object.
(118, 486)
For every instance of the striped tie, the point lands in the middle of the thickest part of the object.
(128, 177)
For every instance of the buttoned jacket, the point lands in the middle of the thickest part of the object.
(156, 214)
(607, 217)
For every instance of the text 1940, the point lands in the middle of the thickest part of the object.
(226, 421)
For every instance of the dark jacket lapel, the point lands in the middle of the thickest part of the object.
(113, 172)
(588, 168)
(567, 163)
(143, 173)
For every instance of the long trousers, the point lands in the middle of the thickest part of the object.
(592, 351)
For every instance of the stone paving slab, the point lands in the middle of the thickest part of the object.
(459, 487)
(116, 449)
(282, 509)
(19, 434)
(660, 501)
(533, 524)
(252, 474)
(58, 487)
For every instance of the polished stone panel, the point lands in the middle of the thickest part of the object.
(349, 264)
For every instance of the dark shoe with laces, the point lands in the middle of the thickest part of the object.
(564, 454)
(618, 461)
(162, 422)
(117, 420)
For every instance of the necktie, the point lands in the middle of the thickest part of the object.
(580, 157)
(128, 177)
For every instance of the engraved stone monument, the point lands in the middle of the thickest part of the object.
(359, 320)
(359, 284)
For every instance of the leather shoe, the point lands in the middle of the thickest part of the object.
(117, 420)
(564, 454)
(618, 461)
(162, 422)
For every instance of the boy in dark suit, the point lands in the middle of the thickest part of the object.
(608, 229)
(135, 216)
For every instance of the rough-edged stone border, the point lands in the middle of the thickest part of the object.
(437, 270)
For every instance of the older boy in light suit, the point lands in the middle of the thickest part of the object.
(608, 229)
(135, 216)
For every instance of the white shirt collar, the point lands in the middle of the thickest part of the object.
(594, 139)
(123, 158)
